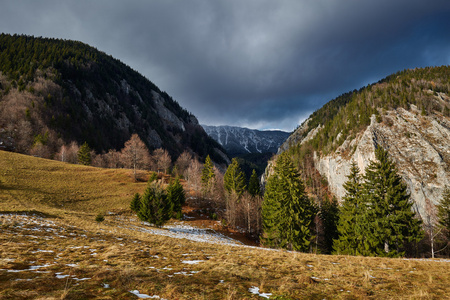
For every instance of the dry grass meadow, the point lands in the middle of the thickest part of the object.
(52, 248)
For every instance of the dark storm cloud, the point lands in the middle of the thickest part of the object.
(264, 64)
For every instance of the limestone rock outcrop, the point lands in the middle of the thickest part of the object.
(420, 146)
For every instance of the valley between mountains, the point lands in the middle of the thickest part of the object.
(109, 189)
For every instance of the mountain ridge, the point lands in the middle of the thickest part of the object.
(53, 92)
(240, 140)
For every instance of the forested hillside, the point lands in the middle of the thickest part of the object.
(422, 91)
(408, 115)
(348, 114)
(54, 92)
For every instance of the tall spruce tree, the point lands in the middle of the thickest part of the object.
(350, 216)
(253, 185)
(329, 215)
(234, 178)
(84, 155)
(208, 175)
(391, 220)
(287, 212)
(176, 197)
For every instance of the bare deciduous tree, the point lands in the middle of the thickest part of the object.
(252, 206)
(23, 136)
(112, 159)
(161, 160)
(98, 160)
(40, 150)
(68, 153)
(194, 175)
(183, 163)
(218, 195)
(135, 154)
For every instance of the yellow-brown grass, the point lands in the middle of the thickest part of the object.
(53, 187)
(68, 245)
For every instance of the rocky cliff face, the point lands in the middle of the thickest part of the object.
(420, 146)
(407, 113)
(238, 140)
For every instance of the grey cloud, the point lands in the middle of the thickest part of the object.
(256, 63)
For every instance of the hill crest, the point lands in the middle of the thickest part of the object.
(53, 92)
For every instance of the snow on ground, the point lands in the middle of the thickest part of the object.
(181, 230)
(191, 262)
(255, 290)
(144, 296)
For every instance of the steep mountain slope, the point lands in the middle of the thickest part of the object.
(54, 92)
(238, 140)
(407, 113)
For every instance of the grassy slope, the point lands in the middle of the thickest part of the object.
(59, 188)
(70, 197)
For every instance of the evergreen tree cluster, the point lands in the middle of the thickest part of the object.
(235, 181)
(158, 205)
(376, 218)
(228, 196)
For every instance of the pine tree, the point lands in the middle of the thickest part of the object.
(234, 178)
(176, 197)
(84, 155)
(352, 209)
(253, 185)
(391, 221)
(329, 215)
(287, 212)
(135, 204)
(153, 177)
(444, 211)
(208, 175)
(155, 208)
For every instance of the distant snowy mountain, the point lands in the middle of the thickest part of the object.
(237, 140)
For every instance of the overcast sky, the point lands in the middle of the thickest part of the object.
(264, 64)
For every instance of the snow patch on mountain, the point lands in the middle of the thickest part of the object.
(238, 140)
